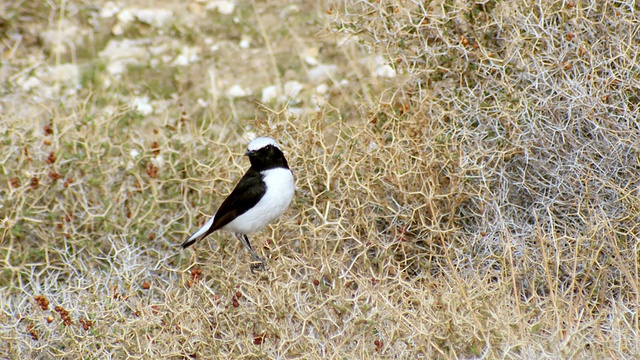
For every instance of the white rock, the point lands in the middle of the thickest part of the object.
(158, 161)
(385, 71)
(321, 73)
(125, 49)
(52, 81)
(322, 89)
(288, 10)
(197, 9)
(245, 42)
(310, 56)
(159, 49)
(295, 111)
(65, 74)
(223, 7)
(109, 10)
(236, 91)
(117, 29)
(317, 101)
(292, 89)
(134, 153)
(310, 60)
(63, 37)
(187, 56)
(154, 17)
(30, 83)
(380, 66)
(347, 39)
(202, 103)
(121, 53)
(125, 17)
(119, 67)
(142, 106)
(180, 60)
(110, 110)
(269, 94)
(106, 82)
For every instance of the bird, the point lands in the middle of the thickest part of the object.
(263, 193)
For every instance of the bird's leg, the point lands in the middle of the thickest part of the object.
(259, 263)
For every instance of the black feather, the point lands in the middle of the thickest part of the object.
(244, 196)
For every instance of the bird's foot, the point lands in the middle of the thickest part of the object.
(258, 264)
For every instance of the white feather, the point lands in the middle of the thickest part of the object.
(280, 188)
(260, 142)
(202, 230)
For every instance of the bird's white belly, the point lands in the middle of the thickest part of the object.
(280, 188)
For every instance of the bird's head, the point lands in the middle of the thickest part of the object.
(265, 153)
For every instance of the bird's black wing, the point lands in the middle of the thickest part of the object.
(244, 196)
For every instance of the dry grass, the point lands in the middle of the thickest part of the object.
(483, 202)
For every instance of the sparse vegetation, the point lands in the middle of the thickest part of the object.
(467, 179)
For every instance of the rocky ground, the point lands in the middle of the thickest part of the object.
(466, 178)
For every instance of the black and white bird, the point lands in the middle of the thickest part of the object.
(260, 197)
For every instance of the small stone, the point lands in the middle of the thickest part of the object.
(245, 42)
(187, 56)
(119, 54)
(380, 67)
(292, 89)
(288, 10)
(125, 17)
(62, 38)
(158, 161)
(65, 74)
(30, 83)
(321, 73)
(322, 89)
(142, 106)
(269, 94)
(310, 60)
(223, 7)
(236, 91)
(310, 56)
(154, 17)
(109, 10)
(384, 71)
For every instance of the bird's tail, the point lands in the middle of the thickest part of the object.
(188, 243)
(198, 235)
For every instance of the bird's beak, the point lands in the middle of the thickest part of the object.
(249, 153)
